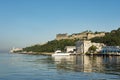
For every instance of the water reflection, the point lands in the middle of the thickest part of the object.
(37, 67)
(103, 64)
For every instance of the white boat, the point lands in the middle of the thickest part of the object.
(59, 53)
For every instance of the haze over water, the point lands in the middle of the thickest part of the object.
(37, 67)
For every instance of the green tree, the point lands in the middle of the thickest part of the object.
(92, 49)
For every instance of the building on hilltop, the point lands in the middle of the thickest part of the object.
(86, 35)
(92, 35)
(61, 36)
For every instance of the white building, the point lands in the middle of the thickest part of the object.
(83, 46)
(70, 48)
(15, 49)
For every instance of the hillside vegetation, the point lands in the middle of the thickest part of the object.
(51, 46)
(111, 39)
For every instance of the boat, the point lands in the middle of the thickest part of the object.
(59, 53)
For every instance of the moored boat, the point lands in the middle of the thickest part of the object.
(59, 53)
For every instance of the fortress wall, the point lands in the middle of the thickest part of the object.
(79, 36)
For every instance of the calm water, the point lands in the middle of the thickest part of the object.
(37, 67)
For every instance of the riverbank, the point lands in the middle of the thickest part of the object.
(50, 53)
(100, 54)
(36, 53)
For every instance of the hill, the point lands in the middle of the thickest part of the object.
(111, 39)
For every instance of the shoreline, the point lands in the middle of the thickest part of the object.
(35, 53)
(50, 53)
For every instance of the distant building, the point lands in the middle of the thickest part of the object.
(70, 48)
(15, 50)
(83, 46)
(83, 36)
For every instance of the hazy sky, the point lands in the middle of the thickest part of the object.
(28, 22)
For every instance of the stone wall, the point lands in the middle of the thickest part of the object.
(61, 36)
(83, 46)
(86, 35)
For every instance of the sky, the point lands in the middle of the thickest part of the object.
(28, 22)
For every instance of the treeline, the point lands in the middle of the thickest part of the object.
(110, 39)
(51, 46)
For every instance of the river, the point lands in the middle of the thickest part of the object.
(39, 67)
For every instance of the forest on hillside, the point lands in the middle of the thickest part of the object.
(51, 46)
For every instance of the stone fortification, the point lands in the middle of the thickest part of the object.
(84, 35)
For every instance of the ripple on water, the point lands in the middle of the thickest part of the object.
(36, 67)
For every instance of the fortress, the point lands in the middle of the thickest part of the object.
(86, 35)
